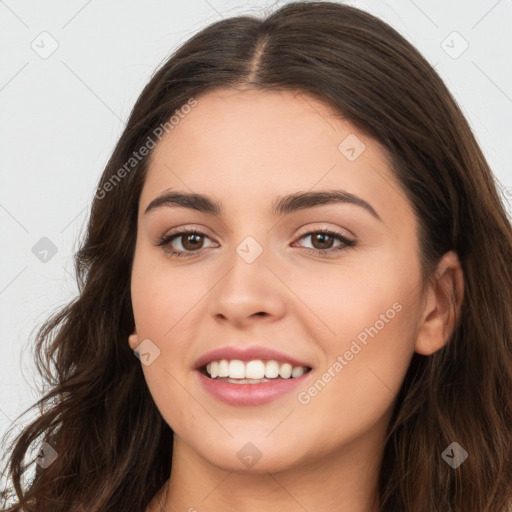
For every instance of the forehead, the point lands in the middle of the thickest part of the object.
(233, 144)
(251, 123)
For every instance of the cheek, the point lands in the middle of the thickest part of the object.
(363, 372)
(365, 289)
(161, 310)
(167, 309)
(371, 313)
(158, 294)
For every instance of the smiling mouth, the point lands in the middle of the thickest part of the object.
(251, 372)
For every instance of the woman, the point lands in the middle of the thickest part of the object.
(299, 238)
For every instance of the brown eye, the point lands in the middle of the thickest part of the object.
(192, 241)
(322, 241)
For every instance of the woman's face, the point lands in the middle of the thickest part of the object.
(253, 282)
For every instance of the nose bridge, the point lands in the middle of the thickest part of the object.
(249, 240)
(248, 268)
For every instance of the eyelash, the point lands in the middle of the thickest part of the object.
(165, 240)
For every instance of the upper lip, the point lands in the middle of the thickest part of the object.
(247, 354)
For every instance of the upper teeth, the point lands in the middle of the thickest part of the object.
(256, 369)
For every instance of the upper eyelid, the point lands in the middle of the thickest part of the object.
(317, 226)
(187, 228)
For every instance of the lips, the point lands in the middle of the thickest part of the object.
(251, 394)
(248, 392)
(247, 354)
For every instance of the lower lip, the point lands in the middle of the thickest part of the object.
(250, 394)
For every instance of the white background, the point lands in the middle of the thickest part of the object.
(61, 116)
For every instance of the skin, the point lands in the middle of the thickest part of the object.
(245, 148)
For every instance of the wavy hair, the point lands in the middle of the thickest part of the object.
(114, 448)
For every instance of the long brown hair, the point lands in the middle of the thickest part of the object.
(114, 448)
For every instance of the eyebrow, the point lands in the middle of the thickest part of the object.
(282, 206)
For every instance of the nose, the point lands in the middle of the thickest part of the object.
(248, 292)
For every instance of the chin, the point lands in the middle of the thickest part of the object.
(257, 457)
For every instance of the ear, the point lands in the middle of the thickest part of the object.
(133, 340)
(443, 303)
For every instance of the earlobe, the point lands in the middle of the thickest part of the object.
(133, 340)
(443, 306)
